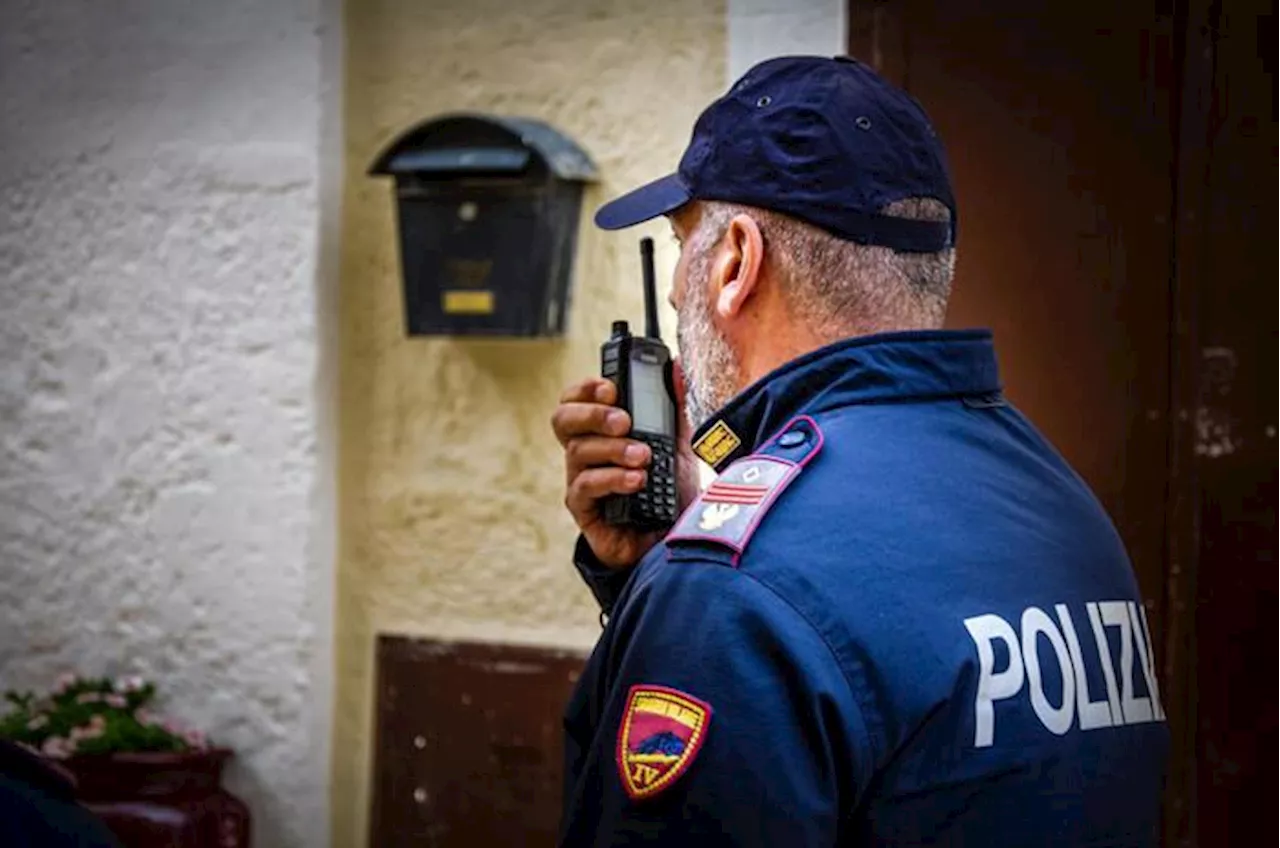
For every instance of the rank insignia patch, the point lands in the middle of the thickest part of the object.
(731, 507)
(661, 732)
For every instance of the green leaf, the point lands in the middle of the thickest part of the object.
(64, 712)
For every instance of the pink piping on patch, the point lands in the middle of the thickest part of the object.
(783, 483)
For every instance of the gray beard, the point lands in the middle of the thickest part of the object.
(710, 371)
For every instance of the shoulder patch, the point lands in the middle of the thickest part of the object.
(661, 732)
(730, 509)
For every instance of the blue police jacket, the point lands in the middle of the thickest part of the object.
(897, 617)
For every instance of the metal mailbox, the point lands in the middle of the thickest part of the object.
(488, 212)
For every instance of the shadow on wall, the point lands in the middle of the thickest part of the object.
(508, 360)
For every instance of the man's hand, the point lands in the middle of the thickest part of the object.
(600, 460)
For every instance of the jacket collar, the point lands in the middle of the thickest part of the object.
(887, 367)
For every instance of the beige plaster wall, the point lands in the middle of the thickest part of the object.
(451, 518)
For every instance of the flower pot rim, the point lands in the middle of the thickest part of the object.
(154, 757)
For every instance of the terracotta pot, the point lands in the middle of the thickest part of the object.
(171, 799)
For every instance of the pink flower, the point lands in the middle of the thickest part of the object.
(98, 723)
(64, 682)
(57, 748)
(144, 717)
(194, 738)
(37, 722)
(133, 683)
(87, 731)
(117, 701)
(88, 698)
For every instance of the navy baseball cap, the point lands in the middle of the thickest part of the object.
(824, 140)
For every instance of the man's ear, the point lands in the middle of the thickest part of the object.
(736, 271)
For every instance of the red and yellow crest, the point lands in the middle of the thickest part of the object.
(662, 730)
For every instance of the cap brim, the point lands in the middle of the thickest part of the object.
(648, 201)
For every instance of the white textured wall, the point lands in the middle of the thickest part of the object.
(763, 29)
(165, 506)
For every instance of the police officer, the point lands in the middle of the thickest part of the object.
(38, 808)
(897, 616)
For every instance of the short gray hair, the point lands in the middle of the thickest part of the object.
(840, 288)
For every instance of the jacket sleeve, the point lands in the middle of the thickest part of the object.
(781, 738)
(606, 584)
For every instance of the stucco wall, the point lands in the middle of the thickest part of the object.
(452, 521)
(163, 504)
(762, 29)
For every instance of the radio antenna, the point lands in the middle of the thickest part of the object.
(650, 290)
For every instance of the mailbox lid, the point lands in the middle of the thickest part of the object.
(459, 160)
(466, 144)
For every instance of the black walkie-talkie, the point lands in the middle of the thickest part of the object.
(640, 366)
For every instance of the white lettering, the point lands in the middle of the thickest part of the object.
(1092, 713)
(992, 685)
(1146, 656)
(1056, 719)
(1104, 655)
(1116, 614)
(1122, 705)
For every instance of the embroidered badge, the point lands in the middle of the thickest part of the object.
(717, 515)
(662, 730)
(716, 444)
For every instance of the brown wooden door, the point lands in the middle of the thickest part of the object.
(468, 748)
(1115, 166)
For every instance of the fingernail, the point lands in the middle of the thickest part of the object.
(616, 422)
(635, 454)
(635, 479)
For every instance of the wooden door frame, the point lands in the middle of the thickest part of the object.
(1195, 63)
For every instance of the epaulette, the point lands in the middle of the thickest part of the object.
(728, 512)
